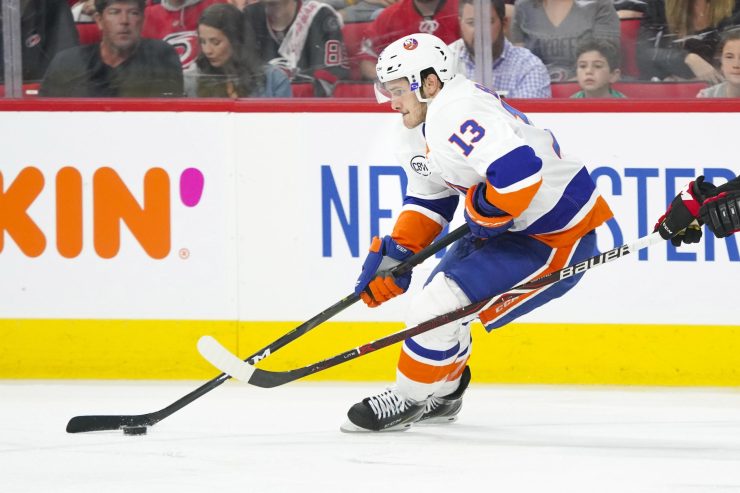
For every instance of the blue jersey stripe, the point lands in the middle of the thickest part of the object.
(513, 167)
(444, 207)
(576, 195)
(431, 354)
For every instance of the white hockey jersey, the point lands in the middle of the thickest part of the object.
(472, 136)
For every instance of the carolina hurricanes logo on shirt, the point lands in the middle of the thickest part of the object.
(33, 40)
(185, 44)
(428, 26)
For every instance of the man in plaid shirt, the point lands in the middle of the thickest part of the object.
(517, 73)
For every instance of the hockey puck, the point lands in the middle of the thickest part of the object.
(134, 430)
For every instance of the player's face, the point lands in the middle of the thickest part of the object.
(403, 100)
(594, 74)
(214, 45)
(731, 62)
(120, 24)
(467, 29)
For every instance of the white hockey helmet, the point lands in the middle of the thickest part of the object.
(411, 55)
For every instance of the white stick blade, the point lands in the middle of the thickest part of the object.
(223, 359)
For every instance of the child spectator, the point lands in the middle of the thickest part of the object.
(174, 21)
(120, 65)
(678, 38)
(730, 68)
(517, 73)
(597, 68)
(437, 17)
(552, 29)
(304, 38)
(228, 64)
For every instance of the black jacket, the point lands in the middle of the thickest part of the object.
(153, 70)
(47, 28)
(323, 58)
(661, 54)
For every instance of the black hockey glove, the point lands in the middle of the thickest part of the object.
(680, 223)
(721, 212)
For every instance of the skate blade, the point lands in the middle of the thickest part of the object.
(442, 420)
(349, 427)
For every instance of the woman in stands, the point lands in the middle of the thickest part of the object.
(228, 65)
(678, 38)
(552, 29)
(729, 66)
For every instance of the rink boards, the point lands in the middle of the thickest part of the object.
(128, 234)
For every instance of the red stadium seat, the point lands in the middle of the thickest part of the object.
(29, 90)
(564, 89)
(354, 89)
(660, 90)
(302, 89)
(638, 90)
(352, 34)
(89, 32)
(629, 29)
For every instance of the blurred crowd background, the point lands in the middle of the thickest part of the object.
(310, 48)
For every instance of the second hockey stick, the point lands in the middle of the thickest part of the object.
(226, 361)
(79, 424)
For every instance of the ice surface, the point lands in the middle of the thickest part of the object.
(240, 438)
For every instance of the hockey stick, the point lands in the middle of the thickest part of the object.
(80, 424)
(224, 360)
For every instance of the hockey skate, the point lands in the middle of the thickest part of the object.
(445, 409)
(386, 411)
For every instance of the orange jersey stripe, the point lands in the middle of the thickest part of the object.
(513, 202)
(455, 374)
(559, 260)
(422, 372)
(599, 214)
(415, 231)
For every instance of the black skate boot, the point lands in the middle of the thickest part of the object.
(445, 409)
(386, 411)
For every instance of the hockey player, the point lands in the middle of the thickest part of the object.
(531, 210)
(701, 202)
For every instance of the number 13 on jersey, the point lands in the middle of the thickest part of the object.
(470, 133)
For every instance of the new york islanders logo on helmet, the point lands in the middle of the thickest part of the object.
(410, 44)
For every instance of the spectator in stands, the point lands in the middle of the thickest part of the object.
(438, 17)
(304, 38)
(121, 65)
(175, 21)
(729, 66)
(552, 29)
(228, 64)
(359, 10)
(517, 73)
(597, 68)
(679, 38)
(47, 28)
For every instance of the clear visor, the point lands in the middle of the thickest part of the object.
(385, 95)
(381, 93)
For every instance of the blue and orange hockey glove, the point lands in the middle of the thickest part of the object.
(485, 219)
(721, 212)
(680, 223)
(376, 284)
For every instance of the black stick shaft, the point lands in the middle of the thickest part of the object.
(113, 422)
(268, 379)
